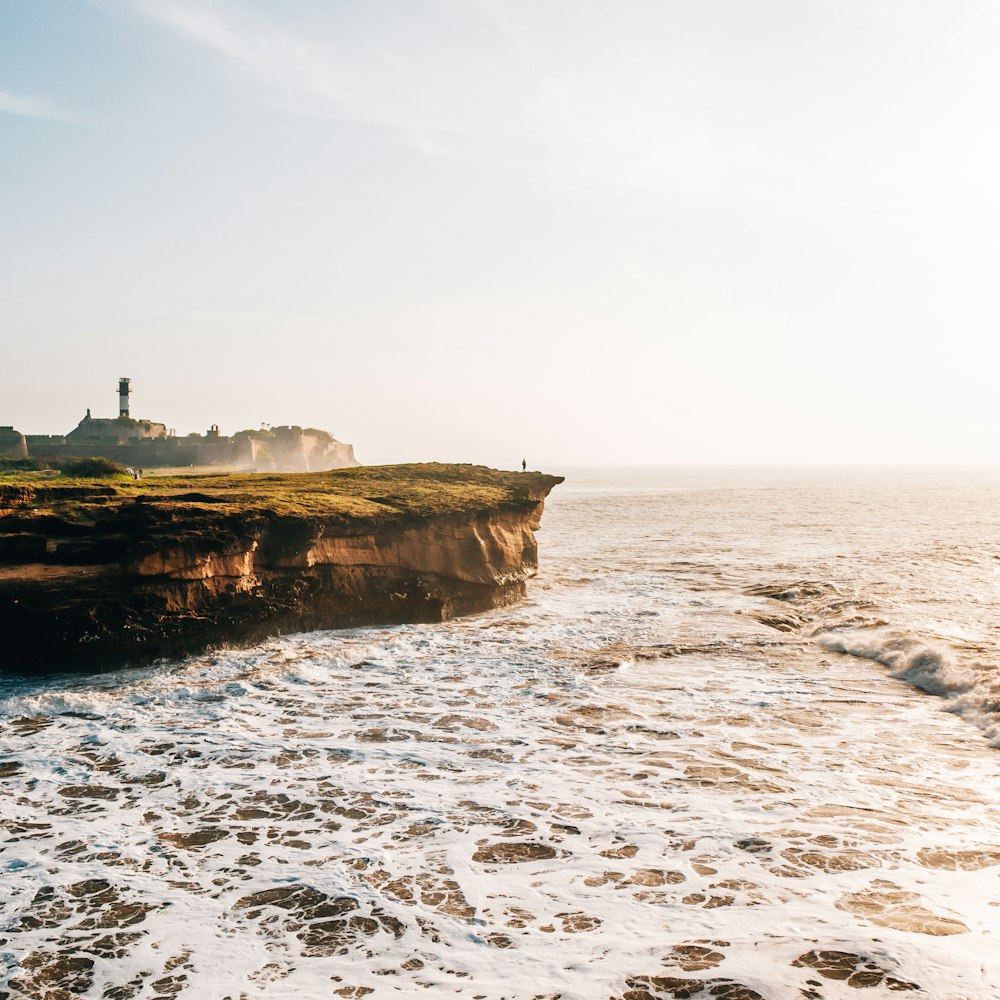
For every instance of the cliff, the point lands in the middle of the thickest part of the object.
(99, 574)
(292, 449)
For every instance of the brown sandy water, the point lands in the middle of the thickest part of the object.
(695, 763)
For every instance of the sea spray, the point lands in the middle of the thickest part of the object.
(970, 689)
(648, 777)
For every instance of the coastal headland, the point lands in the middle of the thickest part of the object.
(150, 444)
(107, 573)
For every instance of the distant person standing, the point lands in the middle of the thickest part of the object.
(524, 465)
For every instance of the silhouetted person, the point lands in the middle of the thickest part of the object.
(524, 465)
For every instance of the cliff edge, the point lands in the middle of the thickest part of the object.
(96, 574)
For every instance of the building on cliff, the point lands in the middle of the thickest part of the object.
(148, 444)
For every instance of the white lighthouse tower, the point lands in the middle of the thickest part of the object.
(124, 391)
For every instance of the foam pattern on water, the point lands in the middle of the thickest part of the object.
(397, 813)
(648, 781)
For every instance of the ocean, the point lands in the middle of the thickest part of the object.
(741, 740)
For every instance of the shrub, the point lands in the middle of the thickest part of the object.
(22, 464)
(95, 467)
(322, 435)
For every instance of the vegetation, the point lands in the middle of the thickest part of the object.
(21, 465)
(270, 433)
(95, 467)
(320, 435)
(370, 496)
(80, 468)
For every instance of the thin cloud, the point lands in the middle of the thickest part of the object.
(487, 82)
(293, 72)
(31, 107)
(653, 106)
(402, 79)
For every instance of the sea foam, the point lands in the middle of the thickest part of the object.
(970, 688)
(647, 779)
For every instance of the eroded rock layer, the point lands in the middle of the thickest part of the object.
(108, 577)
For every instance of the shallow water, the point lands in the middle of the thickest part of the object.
(699, 760)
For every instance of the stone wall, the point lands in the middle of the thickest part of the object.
(151, 454)
(12, 443)
(285, 449)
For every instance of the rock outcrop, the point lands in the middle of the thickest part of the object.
(103, 576)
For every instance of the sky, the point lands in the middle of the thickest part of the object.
(579, 232)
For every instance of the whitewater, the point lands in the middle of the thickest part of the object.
(741, 740)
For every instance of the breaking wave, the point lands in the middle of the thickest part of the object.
(971, 689)
(650, 779)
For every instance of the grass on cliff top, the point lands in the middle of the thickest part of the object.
(380, 492)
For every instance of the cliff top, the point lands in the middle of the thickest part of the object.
(368, 495)
(117, 571)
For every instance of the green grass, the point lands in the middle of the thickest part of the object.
(364, 494)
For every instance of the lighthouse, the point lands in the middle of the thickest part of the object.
(124, 390)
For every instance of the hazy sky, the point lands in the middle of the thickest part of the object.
(636, 231)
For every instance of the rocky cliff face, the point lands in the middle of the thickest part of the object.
(115, 580)
(291, 449)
